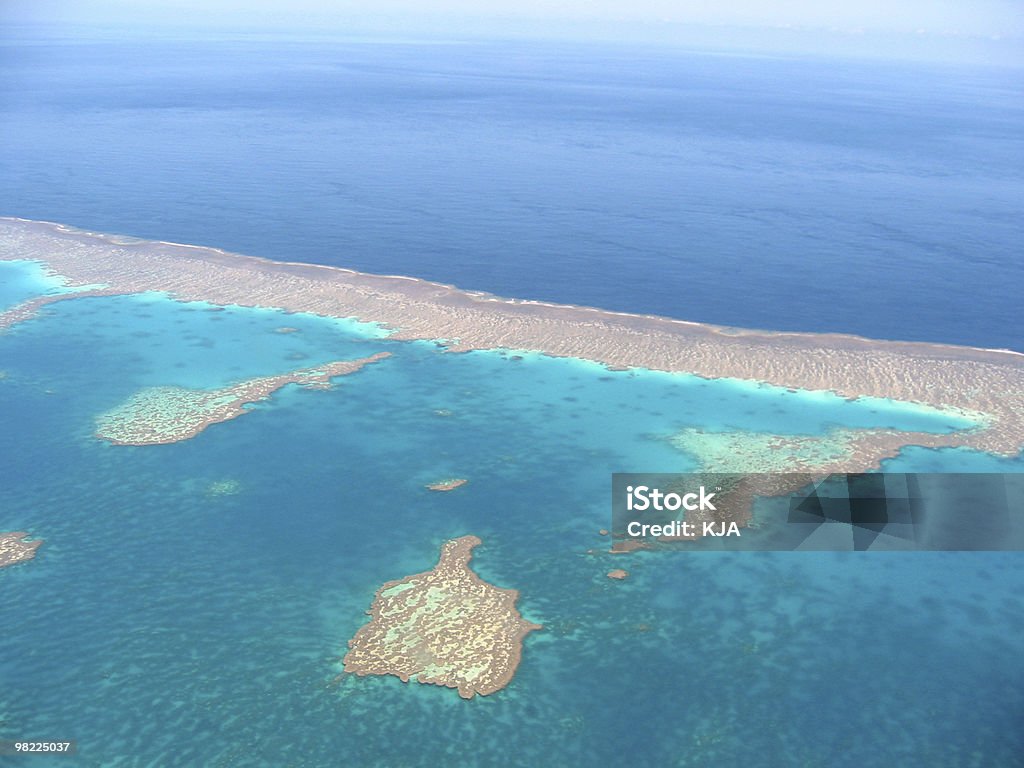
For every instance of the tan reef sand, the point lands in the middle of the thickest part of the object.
(618, 574)
(160, 415)
(448, 485)
(14, 548)
(979, 381)
(30, 308)
(444, 627)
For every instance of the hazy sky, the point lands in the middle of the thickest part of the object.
(999, 23)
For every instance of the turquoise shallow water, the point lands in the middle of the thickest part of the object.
(23, 280)
(161, 625)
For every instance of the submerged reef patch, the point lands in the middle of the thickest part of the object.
(841, 450)
(226, 487)
(445, 626)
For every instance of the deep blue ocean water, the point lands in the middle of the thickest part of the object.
(878, 198)
(164, 625)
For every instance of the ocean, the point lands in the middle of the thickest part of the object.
(877, 198)
(192, 601)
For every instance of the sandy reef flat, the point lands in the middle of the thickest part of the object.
(159, 415)
(445, 626)
(988, 384)
(14, 549)
(31, 308)
(449, 484)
